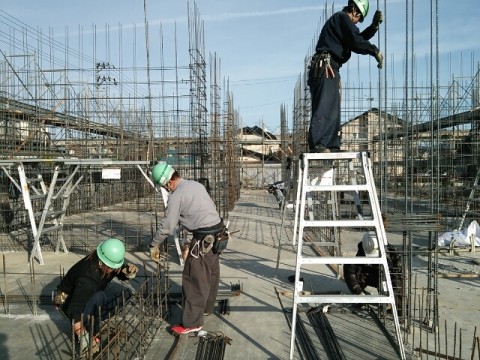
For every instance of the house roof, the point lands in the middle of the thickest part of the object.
(256, 130)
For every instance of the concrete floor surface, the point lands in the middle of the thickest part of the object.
(256, 324)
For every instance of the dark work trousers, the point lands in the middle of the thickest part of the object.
(199, 287)
(99, 299)
(325, 121)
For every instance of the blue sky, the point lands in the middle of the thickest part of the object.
(262, 44)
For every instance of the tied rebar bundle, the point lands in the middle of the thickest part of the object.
(212, 346)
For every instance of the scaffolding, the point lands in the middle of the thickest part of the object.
(58, 101)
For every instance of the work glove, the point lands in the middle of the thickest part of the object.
(379, 58)
(84, 341)
(155, 253)
(130, 271)
(377, 19)
(59, 298)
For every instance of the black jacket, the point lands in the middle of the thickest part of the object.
(82, 281)
(362, 275)
(340, 36)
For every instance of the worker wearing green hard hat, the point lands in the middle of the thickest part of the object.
(82, 290)
(362, 6)
(112, 253)
(339, 38)
(162, 173)
(190, 205)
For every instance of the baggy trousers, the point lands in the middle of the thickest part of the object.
(98, 299)
(325, 121)
(199, 287)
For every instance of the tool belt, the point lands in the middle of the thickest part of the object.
(318, 62)
(214, 238)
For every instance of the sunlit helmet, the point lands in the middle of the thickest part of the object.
(362, 5)
(370, 244)
(161, 173)
(111, 252)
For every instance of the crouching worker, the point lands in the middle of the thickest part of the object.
(82, 291)
(359, 276)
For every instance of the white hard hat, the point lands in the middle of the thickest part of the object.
(370, 244)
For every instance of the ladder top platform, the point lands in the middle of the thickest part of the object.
(332, 156)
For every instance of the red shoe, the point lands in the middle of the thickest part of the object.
(179, 329)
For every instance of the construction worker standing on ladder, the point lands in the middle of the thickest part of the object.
(190, 204)
(338, 38)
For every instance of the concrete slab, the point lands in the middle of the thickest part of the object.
(256, 323)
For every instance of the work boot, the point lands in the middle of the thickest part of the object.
(319, 149)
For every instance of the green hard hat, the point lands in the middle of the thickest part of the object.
(161, 173)
(111, 252)
(363, 6)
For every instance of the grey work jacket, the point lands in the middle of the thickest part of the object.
(191, 205)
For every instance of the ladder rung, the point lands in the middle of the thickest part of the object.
(344, 299)
(330, 260)
(339, 223)
(46, 230)
(321, 243)
(338, 188)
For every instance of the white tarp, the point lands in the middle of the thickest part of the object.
(461, 237)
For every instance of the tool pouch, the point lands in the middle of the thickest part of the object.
(315, 66)
(207, 244)
(221, 241)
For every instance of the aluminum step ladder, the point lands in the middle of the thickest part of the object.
(340, 175)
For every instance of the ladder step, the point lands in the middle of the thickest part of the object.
(322, 243)
(344, 299)
(330, 260)
(339, 223)
(50, 229)
(337, 188)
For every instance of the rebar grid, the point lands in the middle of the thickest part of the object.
(424, 146)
